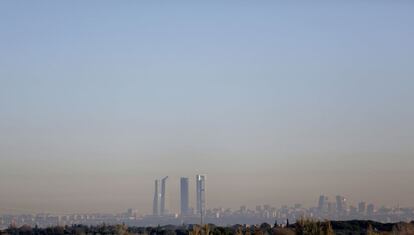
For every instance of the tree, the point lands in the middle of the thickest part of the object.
(207, 229)
(283, 231)
(328, 229)
(309, 227)
(121, 229)
(196, 230)
(370, 230)
(265, 228)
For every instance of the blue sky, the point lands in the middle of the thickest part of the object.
(108, 96)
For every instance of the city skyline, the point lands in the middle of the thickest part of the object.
(336, 209)
(324, 207)
(335, 203)
(160, 207)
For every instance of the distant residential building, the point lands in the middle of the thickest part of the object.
(323, 203)
(370, 209)
(243, 209)
(130, 212)
(331, 207)
(341, 205)
(353, 211)
(185, 196)
(298, 205)
(362, 207)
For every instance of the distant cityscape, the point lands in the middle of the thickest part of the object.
(324, 209)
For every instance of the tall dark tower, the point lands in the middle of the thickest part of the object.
(156, 201)
(163, 195)
(185, 195)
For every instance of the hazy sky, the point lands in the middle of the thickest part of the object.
(275, 102)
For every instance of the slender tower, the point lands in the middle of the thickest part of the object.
(184, 196)
(156, 201)
(163, 195)
(201, 195)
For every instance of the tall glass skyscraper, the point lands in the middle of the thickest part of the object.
(157, 199)
(184, 186)
(201, 194)
(163, 196)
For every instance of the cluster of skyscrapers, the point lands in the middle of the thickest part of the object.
(341, 208)
(324, 206)
(159, 202)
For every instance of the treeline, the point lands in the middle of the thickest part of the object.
(302, 227)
